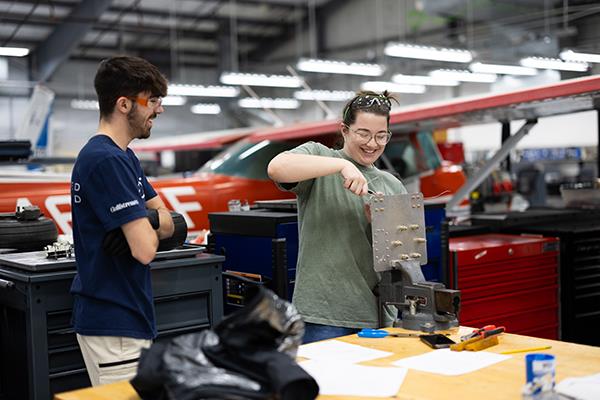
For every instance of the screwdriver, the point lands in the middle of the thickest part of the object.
(380, 333)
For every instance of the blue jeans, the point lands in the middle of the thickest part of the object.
(316, 332)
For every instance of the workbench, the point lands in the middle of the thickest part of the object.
(500, 381)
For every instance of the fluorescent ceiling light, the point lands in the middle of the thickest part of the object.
(463, 75)
(205, 108)
(13, 51)
(378, 86)
(174, 101)
(266, 102)
(427, 52)
(236, 78)
(79, 104)
(203, 91)
(554, 63)
(339, 67)
(324, 95)
(502, 69)
(570, 55)
(423, 80)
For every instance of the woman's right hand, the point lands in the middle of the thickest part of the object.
(354, 180)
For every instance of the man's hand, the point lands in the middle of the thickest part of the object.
(165, 228)
(354, 180)
(153, 217)
(115, 244)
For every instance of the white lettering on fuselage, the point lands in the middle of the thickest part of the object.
(63, 218)
(182, 208)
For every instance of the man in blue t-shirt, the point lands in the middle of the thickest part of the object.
(118, 221)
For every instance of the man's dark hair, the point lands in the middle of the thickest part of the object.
(370, 102)
(126, 76)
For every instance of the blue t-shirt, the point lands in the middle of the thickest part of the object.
(113, 294)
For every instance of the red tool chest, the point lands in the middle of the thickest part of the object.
(507, 280)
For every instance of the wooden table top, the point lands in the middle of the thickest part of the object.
(501, 381)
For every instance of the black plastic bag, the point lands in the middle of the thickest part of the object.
(250, 354)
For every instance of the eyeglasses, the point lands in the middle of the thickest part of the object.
(364, 136)
(152, 102)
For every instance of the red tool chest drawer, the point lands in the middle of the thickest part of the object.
(508, 280)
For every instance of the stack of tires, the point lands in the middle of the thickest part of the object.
(26, 230)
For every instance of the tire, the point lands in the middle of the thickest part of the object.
(179, 236)
(26, 235)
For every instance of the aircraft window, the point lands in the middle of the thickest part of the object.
(246, 159)
(432, 156)
(402, 157)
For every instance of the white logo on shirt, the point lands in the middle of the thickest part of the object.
(126, 204)
(76, 187)
(140, 188)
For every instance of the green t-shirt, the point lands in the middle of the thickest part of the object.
(335, 276)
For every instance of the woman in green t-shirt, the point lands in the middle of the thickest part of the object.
(335, 276)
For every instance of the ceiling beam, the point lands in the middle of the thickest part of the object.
(324, 9)
(159, 30)
(57, 47)
(163, 62)
(166, 14)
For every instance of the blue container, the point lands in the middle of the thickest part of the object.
(540, 369)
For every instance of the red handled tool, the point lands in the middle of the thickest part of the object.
(484, 332)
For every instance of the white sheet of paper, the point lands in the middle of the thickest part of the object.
(335, 350)
(447, 362)
(583, 388)
(342, 379)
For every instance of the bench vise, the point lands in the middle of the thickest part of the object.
(399, 250)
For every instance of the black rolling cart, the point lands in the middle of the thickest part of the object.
(39, 355)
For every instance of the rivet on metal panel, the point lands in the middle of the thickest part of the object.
(397, 243)
(414, 227)
(420, 240)
(402, 228)
(404, 257)
(511, 252)
(415, 255)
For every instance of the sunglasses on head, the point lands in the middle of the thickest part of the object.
(368, 100)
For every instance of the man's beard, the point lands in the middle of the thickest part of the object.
(137, 124)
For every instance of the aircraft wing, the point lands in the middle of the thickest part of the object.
(192, 141)
(569, 96)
